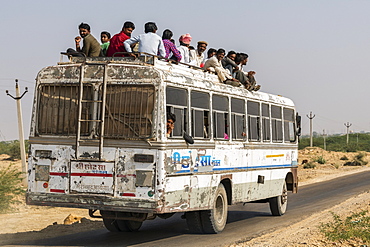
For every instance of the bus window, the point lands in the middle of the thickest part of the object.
(58, 107)
(200, 114)
(277, 126)
(266, 134)
(129, 111)
(253, 110)
(177, 102)
(238, 119)
(289, 126)
(220, 107)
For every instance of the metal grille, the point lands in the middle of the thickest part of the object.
(57, 109)
(129, 111)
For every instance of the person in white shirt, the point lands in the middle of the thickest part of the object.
(185, 41)
(150, 42)
(197, 57)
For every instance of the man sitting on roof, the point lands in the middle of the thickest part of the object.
(116, 42)
(91, 47)
(197, 56)
(214, 64)
(150, 42)
(248, 79)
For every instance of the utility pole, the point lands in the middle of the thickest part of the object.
(347, 126)
(311, 117)
(324, 135)
(18, 98)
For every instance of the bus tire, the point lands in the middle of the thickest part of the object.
(194, 221)
(278, 204)
(111, 225)
(214, 220)
(129, 225)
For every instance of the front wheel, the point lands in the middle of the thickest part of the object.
(214, 220)
(278, 204)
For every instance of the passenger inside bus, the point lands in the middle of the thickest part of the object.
(171, 119)
(91, 47)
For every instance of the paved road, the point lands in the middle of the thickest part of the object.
(244, 222)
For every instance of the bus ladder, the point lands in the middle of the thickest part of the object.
(97, 117)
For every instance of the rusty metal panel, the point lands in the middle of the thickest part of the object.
(144, 178)
(42, 172)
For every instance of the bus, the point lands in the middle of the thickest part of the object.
(99, 141)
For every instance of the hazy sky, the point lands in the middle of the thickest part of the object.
(316, 52)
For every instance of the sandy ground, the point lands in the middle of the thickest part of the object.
(49, 221)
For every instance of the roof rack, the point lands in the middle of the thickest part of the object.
(138, 58)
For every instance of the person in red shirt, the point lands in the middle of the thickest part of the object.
(116, 42)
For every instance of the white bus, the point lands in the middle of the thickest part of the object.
(98, 141)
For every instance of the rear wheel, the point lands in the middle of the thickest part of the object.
(194, 221)
(214, 220)
(111, 225)
(278, 204)
(129, 225)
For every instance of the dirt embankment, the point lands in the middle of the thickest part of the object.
(33, 221)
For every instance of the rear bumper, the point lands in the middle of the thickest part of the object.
(95, 202)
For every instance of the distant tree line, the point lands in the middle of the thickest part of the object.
(357, 142)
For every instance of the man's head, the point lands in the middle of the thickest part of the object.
(231, 55)
(84, 29)
(128, 28)
(185, 39)
(167, 34)
(220, 54)
(202, 46)
(211, 52)
(171, 119)
(241, 58)
(150, 27)
(104, 36)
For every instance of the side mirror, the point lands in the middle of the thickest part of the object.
(188, 138)
(298, 120)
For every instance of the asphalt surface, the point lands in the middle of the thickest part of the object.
(244, 222)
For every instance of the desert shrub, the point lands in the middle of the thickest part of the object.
(360, 155)
(344, 157)
(309, 165)
(353, 163)
(358, 160)
(355, 226)
(320, 160)
(10, 187)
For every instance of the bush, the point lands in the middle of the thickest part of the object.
(343, 158)
(10, 187)
(12, 148)
(320, 160)
(355, 226)
(360, 156)
(309, 165)
(353, 163)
